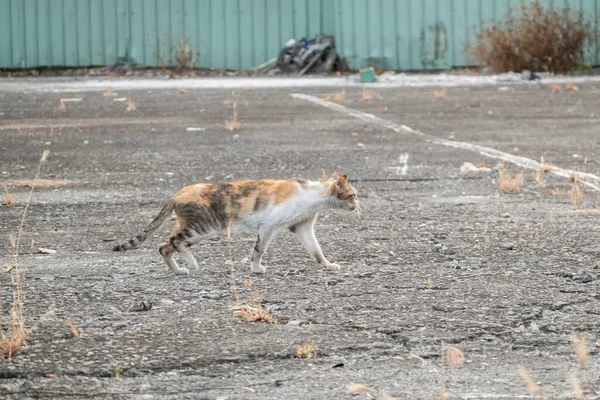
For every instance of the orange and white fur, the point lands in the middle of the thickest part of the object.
(205, 211)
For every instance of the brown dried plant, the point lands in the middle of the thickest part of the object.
(74, 329)
(252, 311)
(130, 105)
(507, 184)
(580, 347)
(13, 339)
(576, 192)
(532, 387)
(339, 97)
(455, 357)
(440, 94)
(233, 124)
(534, 38)
(9, 200)
(307, 351)
(556, 87)
(368, 95)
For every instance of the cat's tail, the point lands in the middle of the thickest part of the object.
(162, 216)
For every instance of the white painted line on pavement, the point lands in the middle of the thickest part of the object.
(525, 162)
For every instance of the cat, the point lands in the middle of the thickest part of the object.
(206, 211)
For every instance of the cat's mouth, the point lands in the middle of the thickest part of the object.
(355, 208)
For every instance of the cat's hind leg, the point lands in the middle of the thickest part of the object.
(182, 241)
(306, 233)
(167, 250)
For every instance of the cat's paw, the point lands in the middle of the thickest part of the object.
(334, 267)
(258, 269)
(182, 271)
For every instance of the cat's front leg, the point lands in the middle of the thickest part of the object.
(306, 233)
(265, 236)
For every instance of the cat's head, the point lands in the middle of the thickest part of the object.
(343, 191)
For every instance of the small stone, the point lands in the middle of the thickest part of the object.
(534, 327)
(447, 251)
(42, 250)
(508, 246)
(296, 323)
(585, 277)
(468, 167)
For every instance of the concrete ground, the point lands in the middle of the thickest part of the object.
(437, 257)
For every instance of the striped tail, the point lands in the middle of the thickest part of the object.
(162, 216)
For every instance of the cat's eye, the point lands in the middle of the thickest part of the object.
(352, 196)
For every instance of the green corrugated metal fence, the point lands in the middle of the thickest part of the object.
(427, 34)
(241, 34)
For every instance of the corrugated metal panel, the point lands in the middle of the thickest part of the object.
(237, 34)
(426, 34)
(241, 34)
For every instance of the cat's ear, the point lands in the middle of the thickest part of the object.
(341, 181)
(335, 176)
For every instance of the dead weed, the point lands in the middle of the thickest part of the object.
(508, 184)
(252, 310)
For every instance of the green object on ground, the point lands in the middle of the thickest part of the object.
(367, 75)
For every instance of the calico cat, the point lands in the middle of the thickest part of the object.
(208, 210)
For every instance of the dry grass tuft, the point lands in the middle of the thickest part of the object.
(339, 97)
(182, 90)
(371, 393)
(9, 200)
(118, 371)
(62, 107)
(14, 338)
(580, 347)
(576, 387)
(556, 87)
(252, 311)
(536, 38)
(573, 175)
(483, 165)
(358, 388)
(307, 351)
(38, 182)
(74, 329)
(576, 193)
(507, 184)
(532, 387)
(233, 124)
(368, 95)
(328, 98)
(184, 56)
(130, 105)
(570, 86)
(247, 281)
(455, 357)
(440, 94)
(540, 174)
